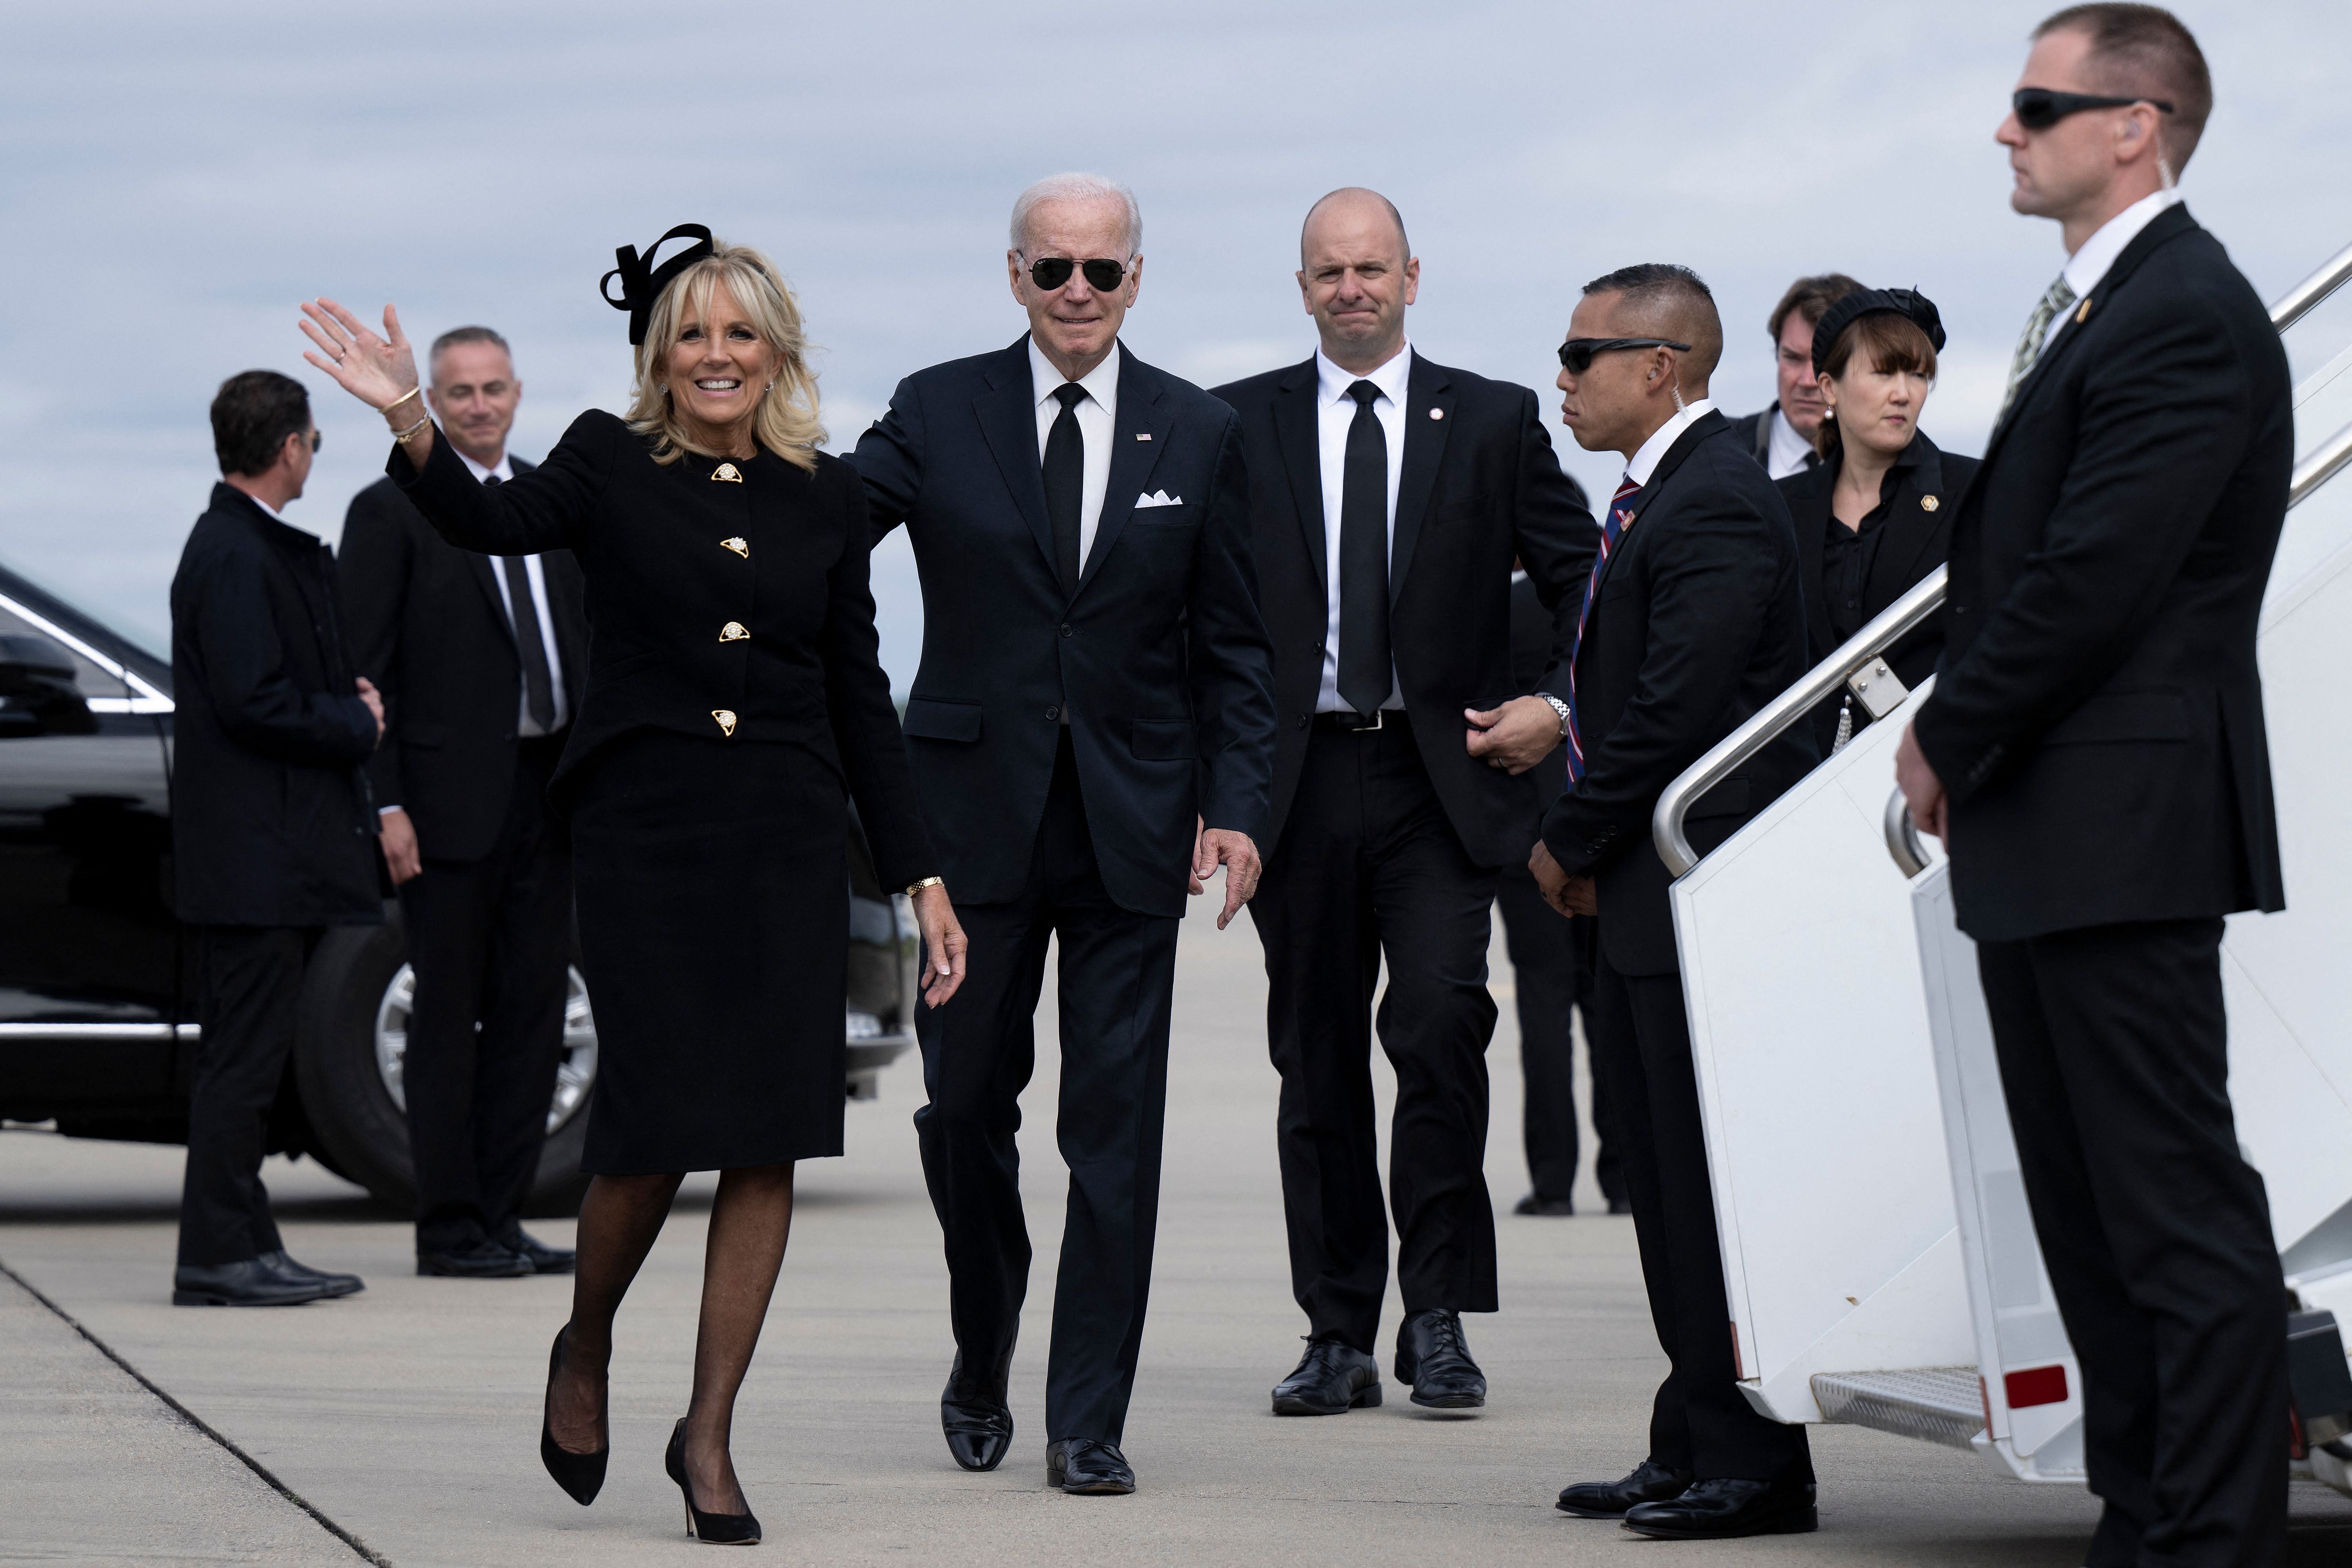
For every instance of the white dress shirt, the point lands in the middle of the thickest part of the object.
(1335, 411)
(537, 573)
(1095, 414)
(1788, 450)
(2088, 266)
(1652, 452)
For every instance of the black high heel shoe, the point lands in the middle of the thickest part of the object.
(710, 1529)
(582, 1475)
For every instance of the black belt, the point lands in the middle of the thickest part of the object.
(1347, 722)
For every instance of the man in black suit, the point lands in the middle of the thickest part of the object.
(1781, 438)
(1389, 496)
(478, 660)
(1693, 620)
(272, 840)
(1092, 734)
(2094, 755)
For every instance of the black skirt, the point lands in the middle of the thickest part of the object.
(713, 892)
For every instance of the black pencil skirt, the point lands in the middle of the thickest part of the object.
(713, 891)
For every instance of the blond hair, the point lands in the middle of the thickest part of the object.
(787, 422)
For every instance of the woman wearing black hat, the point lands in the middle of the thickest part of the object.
(1876, 515)
(734, 702)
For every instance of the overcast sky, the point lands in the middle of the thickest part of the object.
(177, 176)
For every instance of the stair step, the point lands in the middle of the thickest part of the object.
(1939, 1404)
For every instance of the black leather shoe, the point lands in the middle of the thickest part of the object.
(1433, 1356)
(330, 1285)
(710, 1529)
(483, 1260)
(1536, 1202)
(251, 1283)
(974, 1418)
(1718, 1510)
(544, 1259)
(1330, 1379)
(1084, 1467)
(1650, 1482)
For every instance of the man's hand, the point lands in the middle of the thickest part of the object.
(399, 839)
(1192, 880)
(1223, 847)
(945, 943)
(1922, 790)
(374, 700)
(1515, 736)
(1569, 895)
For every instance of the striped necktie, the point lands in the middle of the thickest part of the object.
(1620, 515)
(2059, 295)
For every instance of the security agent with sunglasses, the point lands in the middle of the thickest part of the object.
(2094, 756)
(1092, 731)
(1388, 498)
(1693, 619)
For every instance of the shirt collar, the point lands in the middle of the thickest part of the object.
(1101, 382)
(1654, 451)
(502, 473)
(1331, 383)
(2090, 264)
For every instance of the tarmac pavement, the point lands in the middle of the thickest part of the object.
(407, 1417)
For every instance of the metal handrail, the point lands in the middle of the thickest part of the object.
(1923, 599)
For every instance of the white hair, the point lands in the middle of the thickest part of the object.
(1077, 188)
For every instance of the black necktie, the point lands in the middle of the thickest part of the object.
(1066, 482)
(1366, 673)
(537, 682)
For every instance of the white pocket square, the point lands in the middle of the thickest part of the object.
(1158, 498)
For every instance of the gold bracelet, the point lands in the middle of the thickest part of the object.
(914, 888)
(402, 398)
(403, 435)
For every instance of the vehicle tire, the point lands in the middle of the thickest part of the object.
(346, 1054)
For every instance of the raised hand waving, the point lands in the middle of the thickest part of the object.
(378, 371)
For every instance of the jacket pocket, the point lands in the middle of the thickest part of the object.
(1161, 740)
(940, 718)
(621, 669)
(2160, 713)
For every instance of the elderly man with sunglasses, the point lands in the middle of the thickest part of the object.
(1092, 734)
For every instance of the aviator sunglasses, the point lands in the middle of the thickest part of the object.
(2038, 108)
(1053, 271)
(1576, 354)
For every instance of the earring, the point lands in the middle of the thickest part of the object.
(770, 387)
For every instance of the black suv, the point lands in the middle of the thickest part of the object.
(98, 1006)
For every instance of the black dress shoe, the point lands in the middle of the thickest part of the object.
(1718, 1510)
(330, 1285)
(581, 1475)
(1330, 1379)
(251, 1283)
(1084, 1467)
(974, 1418)
(710, 1529)
(1650, 1482)
(1433, 1356)
(482, 1260)
(544, 1259)
(1536, 1202)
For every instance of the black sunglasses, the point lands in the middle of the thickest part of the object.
(1053, 271)
(1576, 354)
(2039, 109)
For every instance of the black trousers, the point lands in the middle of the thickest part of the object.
(1117, 972)
(489, 940)
(252, 986)
(1700, 1422)
(2114, 1054)
(1551, 964)
(1369, 866)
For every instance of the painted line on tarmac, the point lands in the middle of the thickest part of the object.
(366, 1552)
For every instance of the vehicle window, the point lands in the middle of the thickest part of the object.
(92, 679)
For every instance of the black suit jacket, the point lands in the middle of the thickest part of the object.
(1697, 622)
(271, 820)
(729, 601)
(1754, 433)
(1534, 631)
(1160, 657)
(427, 626)
(1913, 540)
(1479, 485)
(2097, 718)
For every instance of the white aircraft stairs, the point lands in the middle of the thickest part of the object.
(1882, 1264)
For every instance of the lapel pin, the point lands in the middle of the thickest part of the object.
(2083, 314)
(728, 472)
(1143, 434)
(1437, 414)
(739, 546)
(1928, 503)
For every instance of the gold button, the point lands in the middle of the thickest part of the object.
(739, 546)
(726, 717)
(1928, 503)
(728, 472)
(733, 632)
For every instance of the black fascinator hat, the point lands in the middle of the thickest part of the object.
(1843, 313)
(642, 283)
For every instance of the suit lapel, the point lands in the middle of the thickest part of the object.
(1809, 511)
(486, 569)
(1428, 421)
(1685, 444)
(1910, 526)
(1295, 435)
(1007, 412)
(1139, 434)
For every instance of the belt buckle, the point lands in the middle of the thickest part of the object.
(1379, 718)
